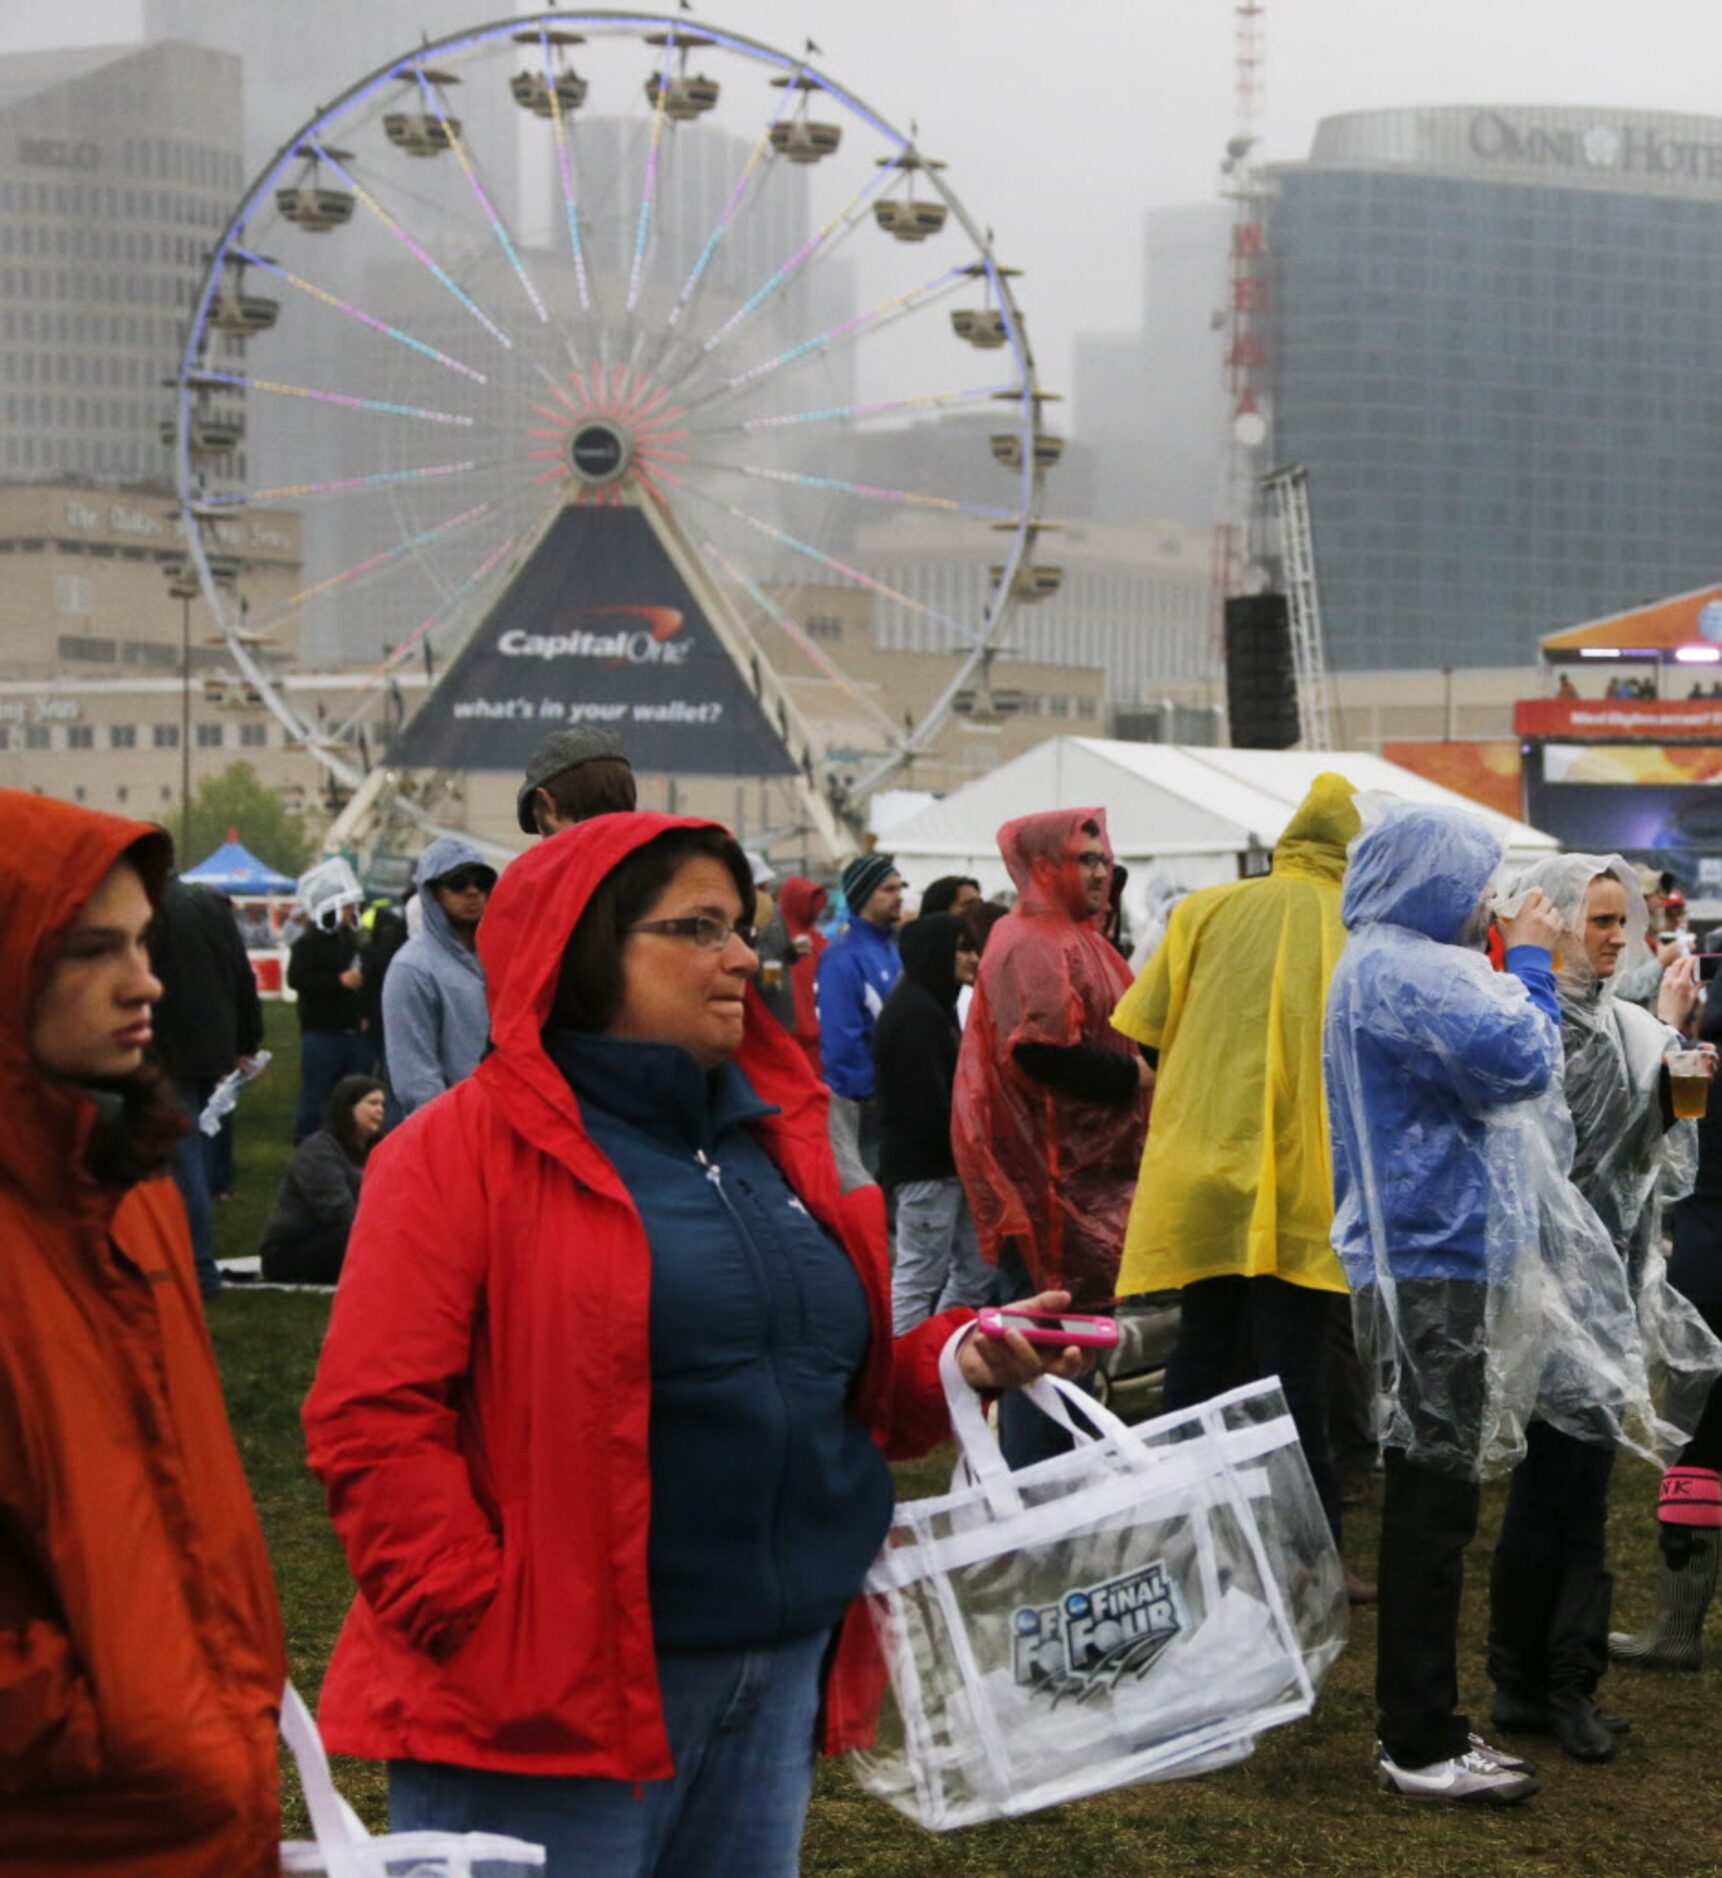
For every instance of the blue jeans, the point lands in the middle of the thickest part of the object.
(325, 1056)
(191, 1176)
(218, 1151)
(938, 1263)
(854, 1130)
(741, 1726)
(1025, 1434)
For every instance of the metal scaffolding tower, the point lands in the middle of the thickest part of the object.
(1287, 491)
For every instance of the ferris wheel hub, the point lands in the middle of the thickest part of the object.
(600, 451)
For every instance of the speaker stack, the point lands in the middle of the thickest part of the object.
(1261, 684)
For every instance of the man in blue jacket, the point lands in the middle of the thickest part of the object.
(855, 976)
(1423, 1044)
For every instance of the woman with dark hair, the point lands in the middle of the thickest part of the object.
(605, 1405)
(141, 1661)
(306, 1238)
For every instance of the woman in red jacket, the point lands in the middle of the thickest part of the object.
(141, 1661)
(606, 1399)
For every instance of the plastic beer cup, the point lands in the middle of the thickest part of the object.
(1689, 1083)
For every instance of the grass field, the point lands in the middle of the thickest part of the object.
(1304, 1804)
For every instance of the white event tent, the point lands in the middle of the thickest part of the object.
(1186, 814)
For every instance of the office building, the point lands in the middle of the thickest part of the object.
(117, 169)
(1491, 335)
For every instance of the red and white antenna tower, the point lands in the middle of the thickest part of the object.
(1244, 318)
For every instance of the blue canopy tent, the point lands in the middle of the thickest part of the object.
(233, 868)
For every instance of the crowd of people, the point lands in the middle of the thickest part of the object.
(655, 1186)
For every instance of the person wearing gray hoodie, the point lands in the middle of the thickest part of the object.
(434, 1018)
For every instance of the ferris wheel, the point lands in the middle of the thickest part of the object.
(537, 299)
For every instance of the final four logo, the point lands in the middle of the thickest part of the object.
(1096, 1636)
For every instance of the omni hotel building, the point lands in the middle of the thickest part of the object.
(1494, 346)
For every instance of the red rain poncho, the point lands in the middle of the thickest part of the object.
(801, 902)
(1049, 1171)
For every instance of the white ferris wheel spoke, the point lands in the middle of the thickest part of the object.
(866, 492)
(845, 332)
(795, 633)
(434, 268)
(839, 225)
(649, 186)
(346, 307)
(565, 176)
(851, 413)
(434, 99)
(347, 485)
(752, 170)
(852, 575)
(372, 565)
(411, 643)
(348, 401)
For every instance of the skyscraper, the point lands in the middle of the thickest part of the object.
(1493, 349)
(118, 166)
(1151, 403)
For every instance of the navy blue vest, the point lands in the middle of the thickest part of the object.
(769, 1499)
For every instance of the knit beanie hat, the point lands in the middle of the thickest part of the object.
(862, 878)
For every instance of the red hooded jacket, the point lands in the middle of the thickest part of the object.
(141, 1661)
(801, 902)
(1047, 1171)
(480, 1413)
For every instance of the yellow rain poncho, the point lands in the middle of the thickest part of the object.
(1236, 1176)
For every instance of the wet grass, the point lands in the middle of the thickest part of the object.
(1304, 1804)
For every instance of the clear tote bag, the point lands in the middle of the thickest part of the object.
(1139, 1608)
(344, 1849)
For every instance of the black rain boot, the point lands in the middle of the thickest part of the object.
(1521, 1606)
(1685, 1584)
(1577, 1657)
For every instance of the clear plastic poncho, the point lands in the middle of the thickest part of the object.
(1628, 1162)
(324, 889)
(1486, 1291)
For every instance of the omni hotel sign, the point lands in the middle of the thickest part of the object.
(1626, 149)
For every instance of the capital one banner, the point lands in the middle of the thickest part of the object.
(596, 628)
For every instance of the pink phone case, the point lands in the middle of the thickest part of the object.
(1067, 1329)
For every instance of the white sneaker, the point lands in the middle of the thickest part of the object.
(1475, 1777)
(1514, 1763)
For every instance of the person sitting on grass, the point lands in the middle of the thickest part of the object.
(306, 1238)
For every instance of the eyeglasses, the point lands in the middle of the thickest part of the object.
(710, 935)
(1092, 858)
(464, 879)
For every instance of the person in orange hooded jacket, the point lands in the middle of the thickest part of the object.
(606, 1395)
(141, 1658)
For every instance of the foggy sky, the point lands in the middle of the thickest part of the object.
(1062, 120)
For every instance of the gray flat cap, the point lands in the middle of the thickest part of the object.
(562, 750)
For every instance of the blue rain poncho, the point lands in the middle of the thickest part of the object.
(1628, 1162)
(1486, 1290)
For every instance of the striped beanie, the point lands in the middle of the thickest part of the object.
(863, 877)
